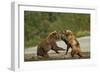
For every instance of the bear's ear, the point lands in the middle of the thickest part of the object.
(54, 33)
(68, 31)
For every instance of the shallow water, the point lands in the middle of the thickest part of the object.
(84, 44)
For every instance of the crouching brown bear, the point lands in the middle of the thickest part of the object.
(71, 42)
(48, 44)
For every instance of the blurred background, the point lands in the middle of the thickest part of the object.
(37, 25)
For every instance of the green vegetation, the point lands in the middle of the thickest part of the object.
(39, 24)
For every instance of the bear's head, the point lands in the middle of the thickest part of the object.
(53, 35)
(67, 33)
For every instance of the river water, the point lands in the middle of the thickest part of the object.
(84, 44)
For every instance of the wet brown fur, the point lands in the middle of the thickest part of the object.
(73, 43)
(48, 44)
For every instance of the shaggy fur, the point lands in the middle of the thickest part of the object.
(48, 44)
(71, 42)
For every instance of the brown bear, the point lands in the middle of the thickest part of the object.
(71, 41)
(48, 44)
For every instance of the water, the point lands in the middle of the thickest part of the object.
(84, 44)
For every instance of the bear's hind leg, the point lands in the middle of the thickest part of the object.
(72, 53)
(80, 55)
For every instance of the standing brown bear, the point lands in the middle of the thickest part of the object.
(71, 42)
(48, 44)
